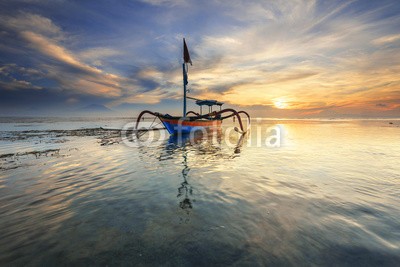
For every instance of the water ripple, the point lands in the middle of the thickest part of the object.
(317, 200)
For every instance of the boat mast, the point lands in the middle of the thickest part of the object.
(185, 81)
(186, 59)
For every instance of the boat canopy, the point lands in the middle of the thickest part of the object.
(209, 103)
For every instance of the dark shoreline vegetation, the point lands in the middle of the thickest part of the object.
(23, 135)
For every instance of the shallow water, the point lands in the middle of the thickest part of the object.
(329, 195)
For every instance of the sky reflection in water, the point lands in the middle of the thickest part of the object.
(328, 195)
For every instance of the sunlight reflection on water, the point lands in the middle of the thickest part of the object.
(328, 196)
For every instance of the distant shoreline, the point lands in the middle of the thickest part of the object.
(38, 119)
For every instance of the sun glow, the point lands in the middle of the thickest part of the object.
(281, 104)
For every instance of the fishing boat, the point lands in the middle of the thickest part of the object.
(190, 120)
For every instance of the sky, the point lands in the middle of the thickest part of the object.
(272, 58)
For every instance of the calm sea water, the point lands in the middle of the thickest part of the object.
(329, 195)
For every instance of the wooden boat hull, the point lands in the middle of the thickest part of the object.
(185, 126)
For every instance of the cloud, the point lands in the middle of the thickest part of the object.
(70, 71)
(50, 48)
(35, 23)
(13, 69)
(97, 54)
(381, 105)
(169, 3)
(386, 39)
(151, 86)
(59, 63)
(15, 84)
(13, 77)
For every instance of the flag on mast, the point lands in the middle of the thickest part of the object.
(186, 56)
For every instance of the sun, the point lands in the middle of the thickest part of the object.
(281, 104)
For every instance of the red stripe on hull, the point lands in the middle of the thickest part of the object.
(213, 123)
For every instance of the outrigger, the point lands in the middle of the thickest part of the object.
(186, 124)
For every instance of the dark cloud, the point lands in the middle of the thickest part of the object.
(148, 85)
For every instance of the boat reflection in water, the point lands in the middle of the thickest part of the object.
(185, 190)
(201, 145)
